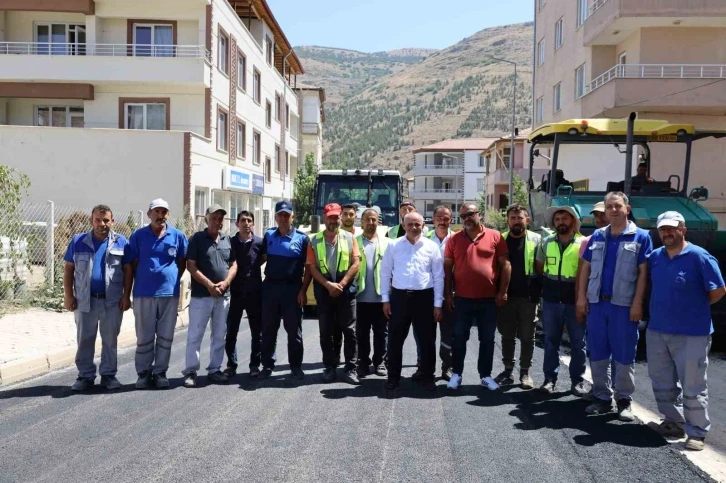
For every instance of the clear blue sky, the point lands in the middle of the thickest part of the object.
(378, 25)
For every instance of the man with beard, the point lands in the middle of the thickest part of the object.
(412, 286)
(613, 310)
(477, 263)
(398, 231)
(333, 259)
(93, 285)
(348, 215)
(156, 260)
(686, 281)
(369, 304)
(517, 316)
(557, 260)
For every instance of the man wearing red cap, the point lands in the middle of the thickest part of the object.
(333, 260)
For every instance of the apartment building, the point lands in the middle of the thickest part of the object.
(448, 173)
(313, 117)
(663, 59)
(123, 101)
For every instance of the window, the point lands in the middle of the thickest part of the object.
(257, 86)
(256, 148)
(200, 201)
(480, 185)
(268, 114)
(277, 158)
(241, 71)
(539, 110)
(151, 116)
(623, 58)
(268, 169)
(152, 40)
(222, 129)
(59, 116)
(287, 116)
(268, 49)
(581, 12)
(278, 107)
(287, 164)
(265, 219)
(482, 161)
(60, 39)
(559, 34)
(580, 81)
(542, 3)
(505, 156)
(241, 139)
(237, 203)
(557, 97)
(540, 52)
(223, 52)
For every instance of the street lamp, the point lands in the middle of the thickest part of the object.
(514, 127)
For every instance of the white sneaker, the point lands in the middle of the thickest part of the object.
(489, 383)
(454, 382)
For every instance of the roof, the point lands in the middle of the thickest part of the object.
(611, 127)
(456, 145)
(259, 10)
(319, 90)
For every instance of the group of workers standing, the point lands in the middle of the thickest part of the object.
(411, 277)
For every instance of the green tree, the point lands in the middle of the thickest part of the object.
(304, 190)
(13, 188)
(497, 219)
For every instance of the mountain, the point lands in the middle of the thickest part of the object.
(383, 104)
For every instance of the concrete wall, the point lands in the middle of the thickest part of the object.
(311, 107)
(682, 45)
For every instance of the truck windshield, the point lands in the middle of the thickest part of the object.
(354, 189)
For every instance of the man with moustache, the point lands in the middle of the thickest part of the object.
(398, 231)
(213, 266)
(245, 294)
(525, 289)
(348, 215)
(156, 260)
(686, 281)
(93, 288)
(477, 262)
(369, 303)
(412, 285)
(332, 260)
(613, 310)
(557, 261)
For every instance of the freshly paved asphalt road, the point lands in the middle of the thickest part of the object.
(284, 430)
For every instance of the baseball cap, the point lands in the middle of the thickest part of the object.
(599, 207)
(283, 206)
(215, 208)
(332, 209)
(158, 203)
(670, 218)
(405, 203)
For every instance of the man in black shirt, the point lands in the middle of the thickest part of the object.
(517, 316)
(246, 294)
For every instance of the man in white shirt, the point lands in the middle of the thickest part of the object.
(412, 290)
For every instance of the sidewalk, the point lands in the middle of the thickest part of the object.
(36, 341)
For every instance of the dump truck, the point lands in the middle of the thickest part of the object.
(598, 144)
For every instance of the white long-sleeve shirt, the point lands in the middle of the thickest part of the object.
(407, 266)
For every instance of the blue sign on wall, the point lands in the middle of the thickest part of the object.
(258, 184)
(238, 179)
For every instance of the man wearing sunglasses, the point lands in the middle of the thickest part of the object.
(476, 260)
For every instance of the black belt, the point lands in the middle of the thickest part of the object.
(606, 297)
(413, 292)
(98, 295)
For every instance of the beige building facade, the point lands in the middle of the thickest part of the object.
(663, 59)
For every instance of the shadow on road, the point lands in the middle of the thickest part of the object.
(371, 387)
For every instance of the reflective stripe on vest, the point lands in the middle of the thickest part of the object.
(381, 244)
(562, 266)
(343, 253)
(530, 248)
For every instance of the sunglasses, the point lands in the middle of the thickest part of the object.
(465, 216)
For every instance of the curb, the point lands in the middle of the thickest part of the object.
(34, 366)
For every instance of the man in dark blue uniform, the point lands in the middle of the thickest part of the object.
(283, 292)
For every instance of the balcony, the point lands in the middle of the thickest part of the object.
(99, 63)
(311, 128)
(686, 88)
(609, 22)
(422, 169)
(436, 193)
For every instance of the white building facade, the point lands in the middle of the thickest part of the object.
(313, 117)
(123, 101)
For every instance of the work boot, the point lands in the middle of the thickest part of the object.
(83, 383)
(579, 389)
(694, 443)
(190, 380)
(525, 380)
(110, 383)
(381, 370)
(418, 375)
(599, 407)
(160, 380)
(446, 373)
(667, 429)
(230, 372)
(217, 377)
(144, 380)
(548, 387)
(265, 374)
(351, 377)
(625, 411)
(505, 377)
(329, 374)
(254, 371)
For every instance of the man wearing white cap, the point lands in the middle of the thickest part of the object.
(686, 281)
(156, 260)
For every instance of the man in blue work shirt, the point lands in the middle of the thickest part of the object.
(283, 290)
(616, 252)
(246, 294)
(93, 284)
(686, 281)
(156, 258)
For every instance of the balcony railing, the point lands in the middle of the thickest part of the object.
(438, 191)
(594, 6)
(310, 128)
(658, 71)
(437, 166)
(104, 50)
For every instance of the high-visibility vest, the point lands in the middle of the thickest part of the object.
(530, 250)
(381, 247)
(344, 246)
(393, 231)
(560, 269)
